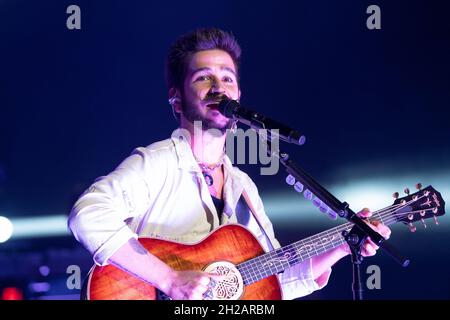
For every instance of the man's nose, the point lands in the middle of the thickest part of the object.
(217, 87)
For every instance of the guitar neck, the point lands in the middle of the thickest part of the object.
(423, 204)
(278, 260)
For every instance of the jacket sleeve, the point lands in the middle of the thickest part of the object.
(99, 217)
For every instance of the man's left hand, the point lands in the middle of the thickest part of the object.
(369, 248)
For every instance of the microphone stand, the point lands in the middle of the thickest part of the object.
(360, 231)
(355, 239)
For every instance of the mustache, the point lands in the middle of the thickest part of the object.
(215, 98)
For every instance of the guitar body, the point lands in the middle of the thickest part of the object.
(232, 243)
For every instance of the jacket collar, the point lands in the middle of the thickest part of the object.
(186, 159)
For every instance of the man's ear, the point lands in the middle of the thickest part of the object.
(175, 99)
(239, 95)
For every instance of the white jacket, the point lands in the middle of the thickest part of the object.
(159, 191)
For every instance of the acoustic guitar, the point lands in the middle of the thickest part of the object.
(234, 252)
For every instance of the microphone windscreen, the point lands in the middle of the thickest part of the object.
(227, 107)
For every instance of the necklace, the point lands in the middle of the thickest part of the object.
(207, 170)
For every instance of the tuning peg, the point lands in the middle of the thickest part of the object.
(424, 224)
(395, 195)
(436, 220)
(419, 186)
(412, 227)
(406, 191)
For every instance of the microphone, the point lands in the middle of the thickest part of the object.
(233, 110)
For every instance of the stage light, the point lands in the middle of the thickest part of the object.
(39, 287)
(40, 226)
(6, 229)
(12, 293)
(44, 270)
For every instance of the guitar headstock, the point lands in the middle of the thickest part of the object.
(424, 204)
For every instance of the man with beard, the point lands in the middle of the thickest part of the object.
(182, 188)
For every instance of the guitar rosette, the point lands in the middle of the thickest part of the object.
(229, 288)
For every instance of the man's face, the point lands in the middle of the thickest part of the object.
(211, 75)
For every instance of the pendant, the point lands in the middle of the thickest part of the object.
(208, 178)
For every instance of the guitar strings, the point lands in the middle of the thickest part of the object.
(272, 258)
(250, 264)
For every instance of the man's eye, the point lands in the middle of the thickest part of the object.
(203, 78)
(228, 79)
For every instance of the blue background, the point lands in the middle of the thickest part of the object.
(372, 103)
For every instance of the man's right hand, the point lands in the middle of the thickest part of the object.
(133, 258)
(189, 285)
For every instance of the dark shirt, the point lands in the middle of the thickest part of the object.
(219, 204)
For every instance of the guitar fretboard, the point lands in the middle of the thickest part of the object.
(285, 257)
(278, 260)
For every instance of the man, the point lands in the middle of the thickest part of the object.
(182, 188)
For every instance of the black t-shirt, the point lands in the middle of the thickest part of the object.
(219, 204)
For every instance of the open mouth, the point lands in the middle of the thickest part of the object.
(214, 106)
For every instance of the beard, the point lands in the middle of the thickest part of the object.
(191, 113)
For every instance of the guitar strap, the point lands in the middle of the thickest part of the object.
(253, 211)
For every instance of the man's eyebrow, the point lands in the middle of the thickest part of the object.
(229, 69)
(209, 69)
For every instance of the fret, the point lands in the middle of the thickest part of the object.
(324, 240)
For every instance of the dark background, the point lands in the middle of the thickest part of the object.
(374, 104)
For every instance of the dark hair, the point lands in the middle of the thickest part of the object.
(190, 43)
